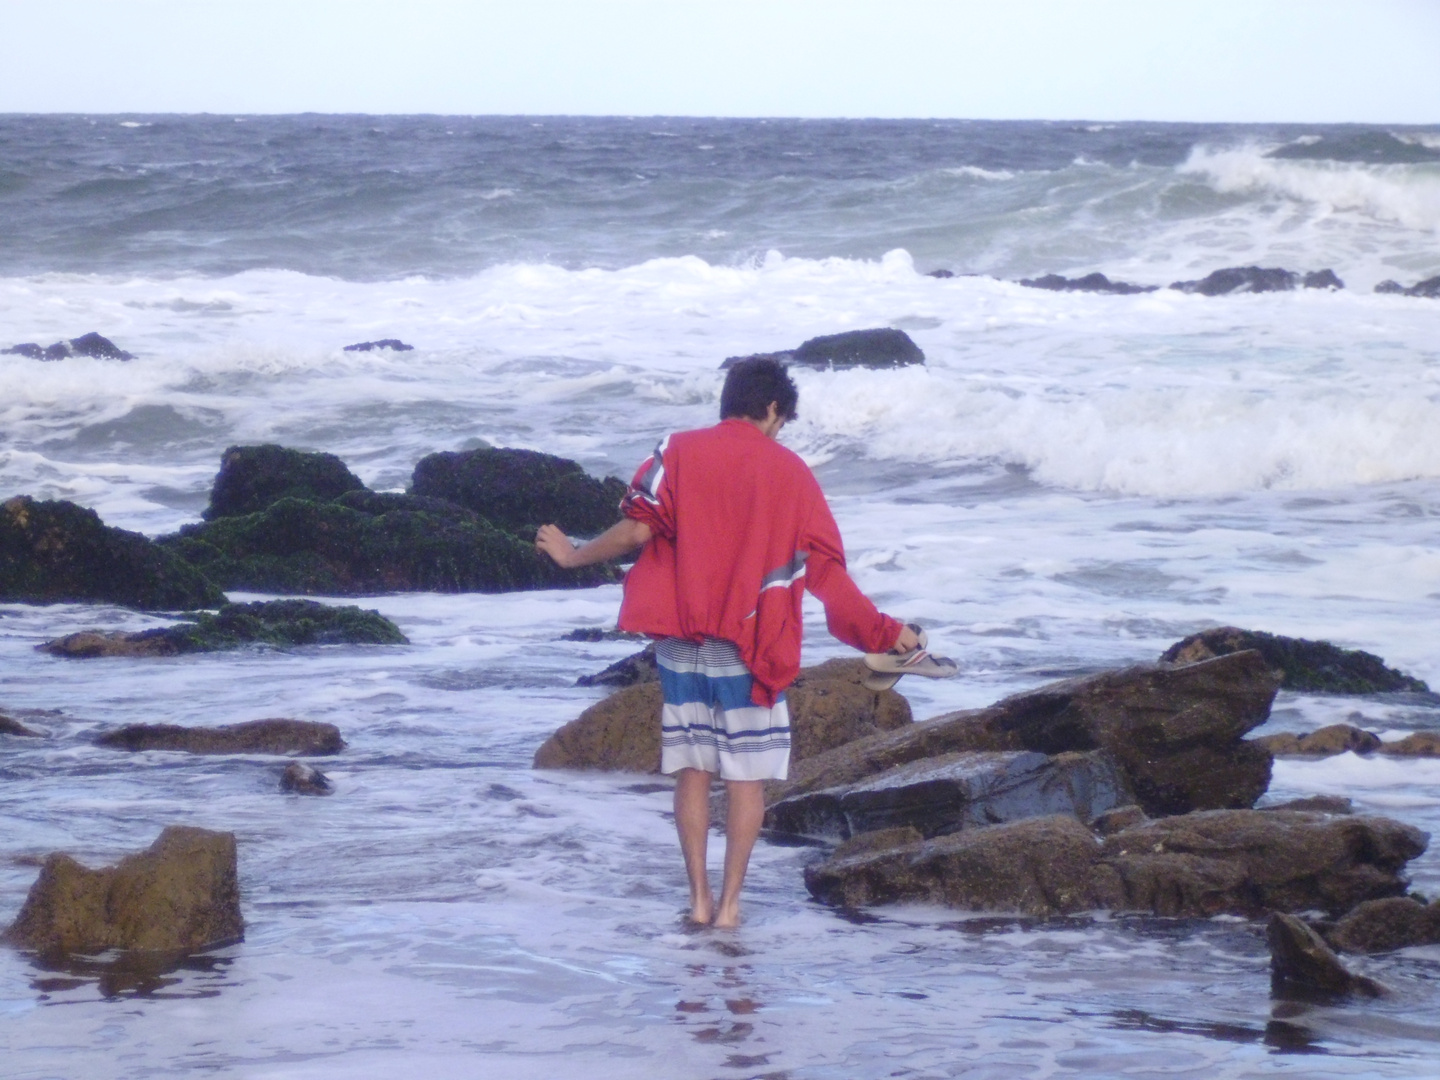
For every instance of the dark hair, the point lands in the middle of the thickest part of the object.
(753, 383)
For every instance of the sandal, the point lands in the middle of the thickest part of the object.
(887, 668)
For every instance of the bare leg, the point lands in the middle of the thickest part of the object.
(742, 827)
(692, 822)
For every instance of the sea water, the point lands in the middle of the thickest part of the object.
(1071, 483)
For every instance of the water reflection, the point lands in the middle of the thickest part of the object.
(126, 975)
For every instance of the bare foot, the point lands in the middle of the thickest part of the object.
(702, 910)
(727, 917)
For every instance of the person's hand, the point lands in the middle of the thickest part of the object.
(551, 541)
(907, 641)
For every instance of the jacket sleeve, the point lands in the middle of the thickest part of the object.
(849, 614)
(648, 499)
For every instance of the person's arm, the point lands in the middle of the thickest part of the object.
(625, 536)
(849, 613)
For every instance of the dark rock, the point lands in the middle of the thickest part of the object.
(1176, 733)
(1310, 666)
(1239, 862)
(1320, 804)
(1388, 286)
(1396, 922)
(388, 502)
(252, 478)
(182, 895)
(1249, 279)
(1303, 966)
(1118, 819)
(940, 273)
(1429, 288)
(640, 667)
(14, 727)
(520, 490)
(945, 794)
(598, 633)
(55, 552)
(91, 344)
(1416, 744)
(828, 707)
(394, 344)
(1322, 279)
(37, 352)
(329, 549)
(301, 779)
(1323, 742)
(1096, 282)
(882, 348)
(275, 736)
(278, 623)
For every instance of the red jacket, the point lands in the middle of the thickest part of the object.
(740, 530)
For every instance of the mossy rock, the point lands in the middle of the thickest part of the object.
(1316, 667)
(254, 477)
(314, 548)
(57, 552)
(520, 490)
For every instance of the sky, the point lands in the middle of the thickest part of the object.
(1367, 61)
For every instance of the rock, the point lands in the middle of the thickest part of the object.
(1309, 666)
(252, 478)
(640, 667)
(879, 840)
(965, 790)
(1322, 279)
(1118, 819)
(330, 549)
(1321, 804)
(14, 727)
(57, 552)
(274, 736)
(91, 344)
(301, 779)
(1396, 922)
(1096, 282)
(35, 351)
(1245, 279)
(828, 707)
(1389, 286)
(1303, 966)
(598, 633)
(882, 348)
(279, 623)
(182, 895)
(1238, 862)
(1176, 733)
(1416, 744)
(942, 273)
(1323, 742)
(1429, 288)
(393, 344)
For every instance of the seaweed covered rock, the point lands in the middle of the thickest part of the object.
(252, 478)
(1323, 742)
(885, 347)
(637, 668)
(1176, 733)
(274, 736)
(279, 623)
(1396, 922)
(57, 552)
(181, 895)
(829, 706)
(520, 490)
(1238, 862)
(1096, 282)
(1313, 666)
(334, 549)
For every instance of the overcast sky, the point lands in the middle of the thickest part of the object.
(1231, 60)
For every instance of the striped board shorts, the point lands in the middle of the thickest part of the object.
(709, 721)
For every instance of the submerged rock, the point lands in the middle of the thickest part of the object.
(274, 736)
(828, 707)
(182, 895)
(1396, 922)
(1239, 862)
(252, 478)
(301, 779)
(520, 490)
(1303, 966)
(1311, 666)
(279, 623)
(14, 727)
(1255, 279)
(1175, 732)
(885, 347)
(57, 552)
(91, 344)
(393, 344)
(1096, 282)
(967, 790)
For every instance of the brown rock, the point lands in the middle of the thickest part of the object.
(88, 644)
(1321, 804)
(1238, 862)
(14, 727)
(1395, 922)
(301, 779)
(1323, 742)
(182, 895)
(1416, 744)
(1174, 731)
(828, 706)
(879, 840)
(274, 736)
(1303, 966)
(1118, 819)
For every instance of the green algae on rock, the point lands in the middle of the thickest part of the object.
(1308, 666)
(254, 477)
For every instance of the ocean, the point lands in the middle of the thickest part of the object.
(1072, 482)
